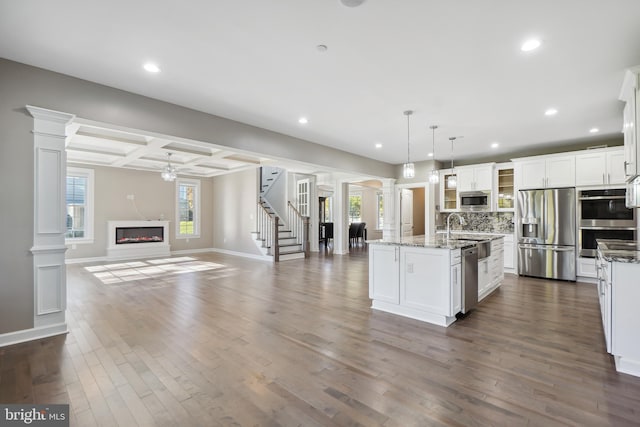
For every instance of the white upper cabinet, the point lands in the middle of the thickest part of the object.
(475, 178)
(600, 167)
(629, 95)
(615, 167)
(545, 172)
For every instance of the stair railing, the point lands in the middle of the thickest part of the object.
(299, 226)
(265, 226)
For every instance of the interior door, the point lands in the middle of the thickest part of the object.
(406, 212)
(303, 197)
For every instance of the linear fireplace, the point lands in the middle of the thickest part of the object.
(129, 235)
(137, 239)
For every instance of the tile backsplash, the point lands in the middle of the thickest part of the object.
(485, 222)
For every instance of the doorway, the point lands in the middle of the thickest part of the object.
(412, 213)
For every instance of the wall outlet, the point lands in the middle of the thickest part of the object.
(131, 196)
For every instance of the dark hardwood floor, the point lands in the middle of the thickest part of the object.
(218, 340)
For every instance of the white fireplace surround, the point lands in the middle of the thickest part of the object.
(138, 250)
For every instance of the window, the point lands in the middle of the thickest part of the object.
(79, 201)
(380, 211)
(355, 207)
(188, 208)
(327, 214)
(303, 197)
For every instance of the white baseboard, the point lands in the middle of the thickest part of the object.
(627, 366)
(192, 251)
(25, 335)
(243, 254)
(83, 260)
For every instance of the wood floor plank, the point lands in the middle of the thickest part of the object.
(214, 339)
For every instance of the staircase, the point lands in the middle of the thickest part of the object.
(288, 242)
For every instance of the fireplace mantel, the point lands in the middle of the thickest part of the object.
(143, 247)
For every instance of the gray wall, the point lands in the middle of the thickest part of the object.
(153, 198)
(16, 211)
(234, 211)
(22, 85)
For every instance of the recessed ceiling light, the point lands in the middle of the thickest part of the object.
(530, 45)
(594, 130)
(495, 145)
(152, 68)
(303, 120)
(551, 112)
(378, 145)
(430, 154)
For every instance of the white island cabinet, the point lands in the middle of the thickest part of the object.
(618, 268)
(422, 283)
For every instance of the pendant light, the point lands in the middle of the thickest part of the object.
(434, 176)
(452, 180)
(408, 169)
(169, 172)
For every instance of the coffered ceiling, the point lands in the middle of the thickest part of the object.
(458, 64)
(107, 147)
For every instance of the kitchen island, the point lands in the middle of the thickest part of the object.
(618, 267)
(420, 276)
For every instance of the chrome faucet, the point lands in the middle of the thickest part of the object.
(460, 219)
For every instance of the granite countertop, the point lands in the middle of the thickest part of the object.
(619, 250)
(436, 241)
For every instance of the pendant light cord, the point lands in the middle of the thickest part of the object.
(433, 147)
(408, 113)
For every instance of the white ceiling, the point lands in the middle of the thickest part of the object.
(457, 63)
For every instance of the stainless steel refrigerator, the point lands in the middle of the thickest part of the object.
(547, 233)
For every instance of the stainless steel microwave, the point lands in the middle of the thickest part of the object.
(475, 200)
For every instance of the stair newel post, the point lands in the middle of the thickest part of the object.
(306, 236)
(276, 248)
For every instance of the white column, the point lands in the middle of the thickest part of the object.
(389, 200)
(314, 219)
(341, 218)
(49, 271)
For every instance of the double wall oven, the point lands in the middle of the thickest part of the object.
(602, 214)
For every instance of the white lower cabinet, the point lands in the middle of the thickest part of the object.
(384, 276)
(586, 267)
(456, 288)
(619, 293)
(416, 282)
(484, 277)
(509, 254)
(422, 274)
(491, 269)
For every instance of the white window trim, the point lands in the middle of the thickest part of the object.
(196, 226)
(88, 209)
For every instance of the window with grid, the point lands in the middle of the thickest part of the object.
(188, 208)
(355, 207)
(79, 203)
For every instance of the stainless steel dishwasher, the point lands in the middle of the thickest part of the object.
(469, 278)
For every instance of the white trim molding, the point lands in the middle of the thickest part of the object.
(49, 269)
(37, 333)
